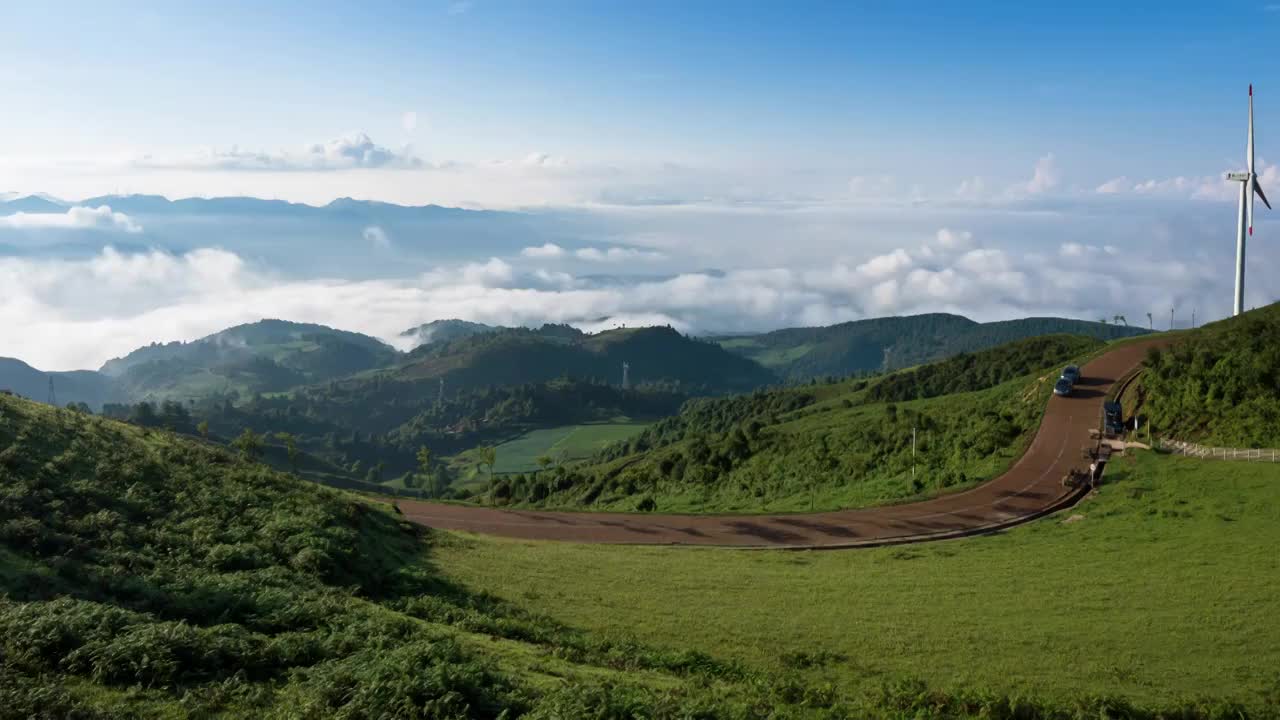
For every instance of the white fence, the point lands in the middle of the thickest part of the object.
(1203, 451)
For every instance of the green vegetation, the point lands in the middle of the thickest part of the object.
(1219, 384)
(821, 446)
(142, 574)
(892, 343)
(564, 443)
(967, 372)
(1159, 587)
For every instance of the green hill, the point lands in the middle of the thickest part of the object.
(890, 343)
(440, 331)
(1219, 384)
(265, 356)
(823, 446)
(657, 356)
(142, 575)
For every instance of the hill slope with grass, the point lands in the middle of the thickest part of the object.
(1218, 384)
(1157, 589)
(852, 443)
(145, 575)
(891, 343)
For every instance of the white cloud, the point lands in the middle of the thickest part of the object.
(99, 218)
(377, 237)
(1114, 185)
(616, 254)
(409, 121)
(1202, 187)
(63, 314)
(543, 160)
(546, 250)
(1045, 177)
(590, 254)
(350, 152)
(973, 188)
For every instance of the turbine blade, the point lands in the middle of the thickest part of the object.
(1258, 189)
(1248, 201)
(1250, 153)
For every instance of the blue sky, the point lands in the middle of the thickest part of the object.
(828, 161)
(941, 90)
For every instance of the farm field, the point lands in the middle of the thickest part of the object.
(1173, 559)
(571, 442)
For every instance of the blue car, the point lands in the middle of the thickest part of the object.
(1072, 373)
(1062, 387)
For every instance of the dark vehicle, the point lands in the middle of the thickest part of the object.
(1072, 373)
(1113, 418)
(1062, 387)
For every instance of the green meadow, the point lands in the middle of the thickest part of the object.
(1161, 586)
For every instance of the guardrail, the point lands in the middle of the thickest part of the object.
(1178, 447)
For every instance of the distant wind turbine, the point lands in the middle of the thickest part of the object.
(1248, 186)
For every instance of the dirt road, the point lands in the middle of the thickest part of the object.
(1030, 489)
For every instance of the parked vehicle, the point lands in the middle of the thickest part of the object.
(1072, 373)
(1113, 415)
(1062, 387)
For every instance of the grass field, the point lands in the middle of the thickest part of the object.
(1161, 587)
(569, 442)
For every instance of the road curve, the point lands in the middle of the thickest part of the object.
(1028, 490)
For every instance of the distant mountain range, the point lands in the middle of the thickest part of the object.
(245, 206)
(272, 356)
(891, 343)
(78, 386)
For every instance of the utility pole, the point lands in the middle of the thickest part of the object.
(1193, 318)
(53, 397)
(626, 376)
(913, 453)
(1171, 317)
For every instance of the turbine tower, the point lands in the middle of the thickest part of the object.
(1248, 186)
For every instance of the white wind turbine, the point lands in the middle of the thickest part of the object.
(1248, 186)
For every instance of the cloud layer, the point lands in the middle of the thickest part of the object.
(350, 152)
(63, 314)
(76, 218)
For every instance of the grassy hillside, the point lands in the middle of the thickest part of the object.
(657, 355)
(266, 356)
(891, 343)
(1160, 587)
(1219, 384)
(823, 446)
(144, 575)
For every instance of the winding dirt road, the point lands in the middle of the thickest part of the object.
(1030, 489)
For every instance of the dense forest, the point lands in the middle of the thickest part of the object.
(893, 343)
(1219, 384)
